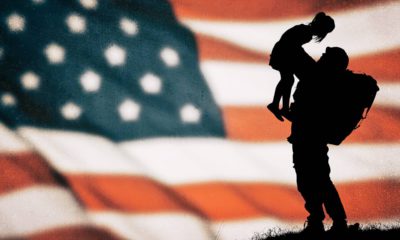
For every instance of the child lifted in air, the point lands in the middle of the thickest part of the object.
(287, 57)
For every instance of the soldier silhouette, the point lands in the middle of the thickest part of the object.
(309, 143)
(287, 53)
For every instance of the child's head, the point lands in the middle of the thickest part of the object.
(322, 25)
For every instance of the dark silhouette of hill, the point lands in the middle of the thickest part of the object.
(371, 233)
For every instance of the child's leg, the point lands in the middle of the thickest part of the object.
(286, 84)
(279, 93)
(283, 89)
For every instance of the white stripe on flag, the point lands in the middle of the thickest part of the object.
(37, 209)
(164, 226)
(78, 152)
(153, 226)
(252, 84)
(359, 31)
(11, 142)
(246, 229)
(193, 160)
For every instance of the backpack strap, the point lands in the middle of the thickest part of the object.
(373, 89)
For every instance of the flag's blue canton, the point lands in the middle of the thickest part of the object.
(123, 69)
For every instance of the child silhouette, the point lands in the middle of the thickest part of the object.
(287, 55)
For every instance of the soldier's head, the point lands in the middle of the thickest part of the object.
(334, 59)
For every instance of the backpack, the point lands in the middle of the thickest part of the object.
(348, 103)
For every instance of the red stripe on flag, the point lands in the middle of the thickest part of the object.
(222, 201)
(23, 170)
(383, 66)
(228, 201)
(258, 124)
(125, 193)
(70, 233)
(253, 124)
(371, 199)
(251, 10)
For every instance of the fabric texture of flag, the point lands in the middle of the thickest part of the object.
(146, 119)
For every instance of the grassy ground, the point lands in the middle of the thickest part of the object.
(365, 233)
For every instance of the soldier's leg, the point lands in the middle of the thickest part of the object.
(333, 204)
(307, 180)
(331, 199)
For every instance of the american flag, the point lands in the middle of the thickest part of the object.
(146, 119)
